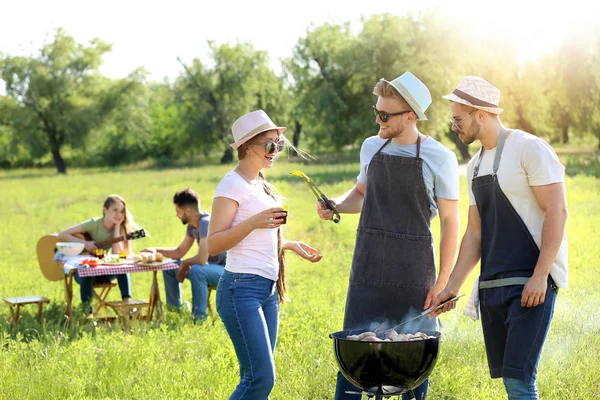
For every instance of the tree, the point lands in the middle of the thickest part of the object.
(212, 98)
(60, 95)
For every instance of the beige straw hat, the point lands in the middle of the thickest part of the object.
(477, 93)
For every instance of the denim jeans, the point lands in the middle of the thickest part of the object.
(201, 277)
(86, 290)
(249, 308)
(520, 390)
(343, 385)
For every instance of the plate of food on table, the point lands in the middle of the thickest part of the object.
(151, 259)
(116, 259)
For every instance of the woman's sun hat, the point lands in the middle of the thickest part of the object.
(414, 92)
(478, 93)
(249, 125)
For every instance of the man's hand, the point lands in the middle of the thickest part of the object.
(534, 292)
(149, 250)
(444, 295)
(325, 213)
(183, 271)
(433, 292)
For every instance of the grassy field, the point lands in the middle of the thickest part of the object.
(177, 359)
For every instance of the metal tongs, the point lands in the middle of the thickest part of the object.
(321, 198)
(427, 312)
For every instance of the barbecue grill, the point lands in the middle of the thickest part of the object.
(385, 369)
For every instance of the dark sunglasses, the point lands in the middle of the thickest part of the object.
(271, 146)
(384, 116)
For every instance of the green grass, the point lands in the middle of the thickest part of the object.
(180, 360)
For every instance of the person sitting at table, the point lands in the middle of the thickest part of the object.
(202, 270)
(116, 221)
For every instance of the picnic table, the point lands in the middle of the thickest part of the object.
(71, 266)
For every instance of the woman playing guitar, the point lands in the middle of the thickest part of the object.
(116, 221)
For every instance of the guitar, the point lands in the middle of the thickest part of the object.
(46, 248)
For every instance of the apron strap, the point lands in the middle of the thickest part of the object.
(499, 148)
(381, 148)
(502, 282)
(418, 146)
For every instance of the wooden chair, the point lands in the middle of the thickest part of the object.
(101, 291)
(208, 306)
(126, 310)
(21, 301)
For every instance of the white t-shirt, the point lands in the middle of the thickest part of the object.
(440, 167)
(257, 252)
(526, 161)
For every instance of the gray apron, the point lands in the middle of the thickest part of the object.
(393, 267)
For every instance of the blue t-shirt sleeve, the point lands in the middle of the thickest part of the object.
(367, 151)
(203, 227)
(446, 183)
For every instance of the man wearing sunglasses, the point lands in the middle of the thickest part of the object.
(516, 227)
(406, 179)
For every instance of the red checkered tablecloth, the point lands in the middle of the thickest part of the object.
(123, 269)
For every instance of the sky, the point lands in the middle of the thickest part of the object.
(152, 34)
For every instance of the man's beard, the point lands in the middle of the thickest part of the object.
(185, 220)
(472, 134)
(391, 133)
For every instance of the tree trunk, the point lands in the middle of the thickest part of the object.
(227, 156)
(523, 123)
(59, 162)
(296, 136)
(565, 134)
(462, 148)
(564, 127)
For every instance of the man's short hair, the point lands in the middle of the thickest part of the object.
(186, 198)
(384, 89)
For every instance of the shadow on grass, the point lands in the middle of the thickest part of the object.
(55, 328)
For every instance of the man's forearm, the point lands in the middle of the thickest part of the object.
(171, 252)
(468, 256)
(350, 202)
(552, 235)
(197, 259)
(448, 247)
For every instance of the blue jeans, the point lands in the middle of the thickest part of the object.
(86, 290)
(520, 390)
(201, 277)
(249, 307)
(343, 385)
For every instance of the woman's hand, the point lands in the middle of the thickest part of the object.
(117, 231)
(90, 247)
(304, 251)
(271, 218)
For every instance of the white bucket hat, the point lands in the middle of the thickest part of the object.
(249, 125)
(414, 92)
(478, 93)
